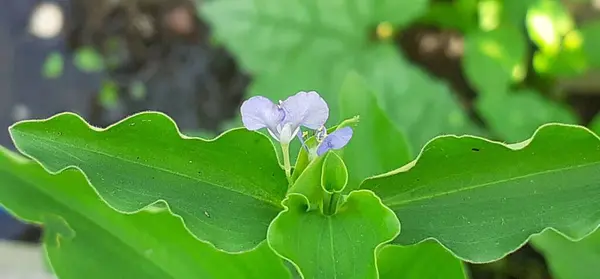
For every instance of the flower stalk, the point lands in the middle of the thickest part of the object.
(287, 166)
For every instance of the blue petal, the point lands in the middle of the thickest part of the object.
(336, 140)
(306, 109)
(259, 112)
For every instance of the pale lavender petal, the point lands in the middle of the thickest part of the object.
(335, 140)
(259, 112)
(306, 109)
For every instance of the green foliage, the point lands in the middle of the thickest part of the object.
(109, 94)
(88, 60)
(514, 116)
(323, 246)
(425, 260)
(492, 65)
(377, 146)
(590, 34)
(53, 66)
(206, 183)
(470, 194)
(568, 259)
(292, 45)
(145, 244)
(547, 23)
(155, 203)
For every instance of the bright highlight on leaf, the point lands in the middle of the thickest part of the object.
(547, 23)
(573, 40)
(544, 28)
(489, 14)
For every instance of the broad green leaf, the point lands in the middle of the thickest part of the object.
(227, 190)
(323, 246)
(88, 60)
(427, 260)
(568, 259)
(290, 46)
(490, 63)
(516, 115)
(53, 66)
(376, 146)
(547, 22)
(85, 238)
(471, 194)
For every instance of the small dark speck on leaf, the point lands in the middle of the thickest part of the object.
(475, 149)
(138, 157)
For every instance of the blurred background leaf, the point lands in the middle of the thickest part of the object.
(570, 259)
(88, 60)
(53, 66)
(514, 116)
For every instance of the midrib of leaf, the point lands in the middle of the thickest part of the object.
(70, 208)
(45, 140)
(332, 245)
(476, 186)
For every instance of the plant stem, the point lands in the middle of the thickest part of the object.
(285, 148)
(330, 203)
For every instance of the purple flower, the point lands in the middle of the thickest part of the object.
(283, 120)
(336, 140)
